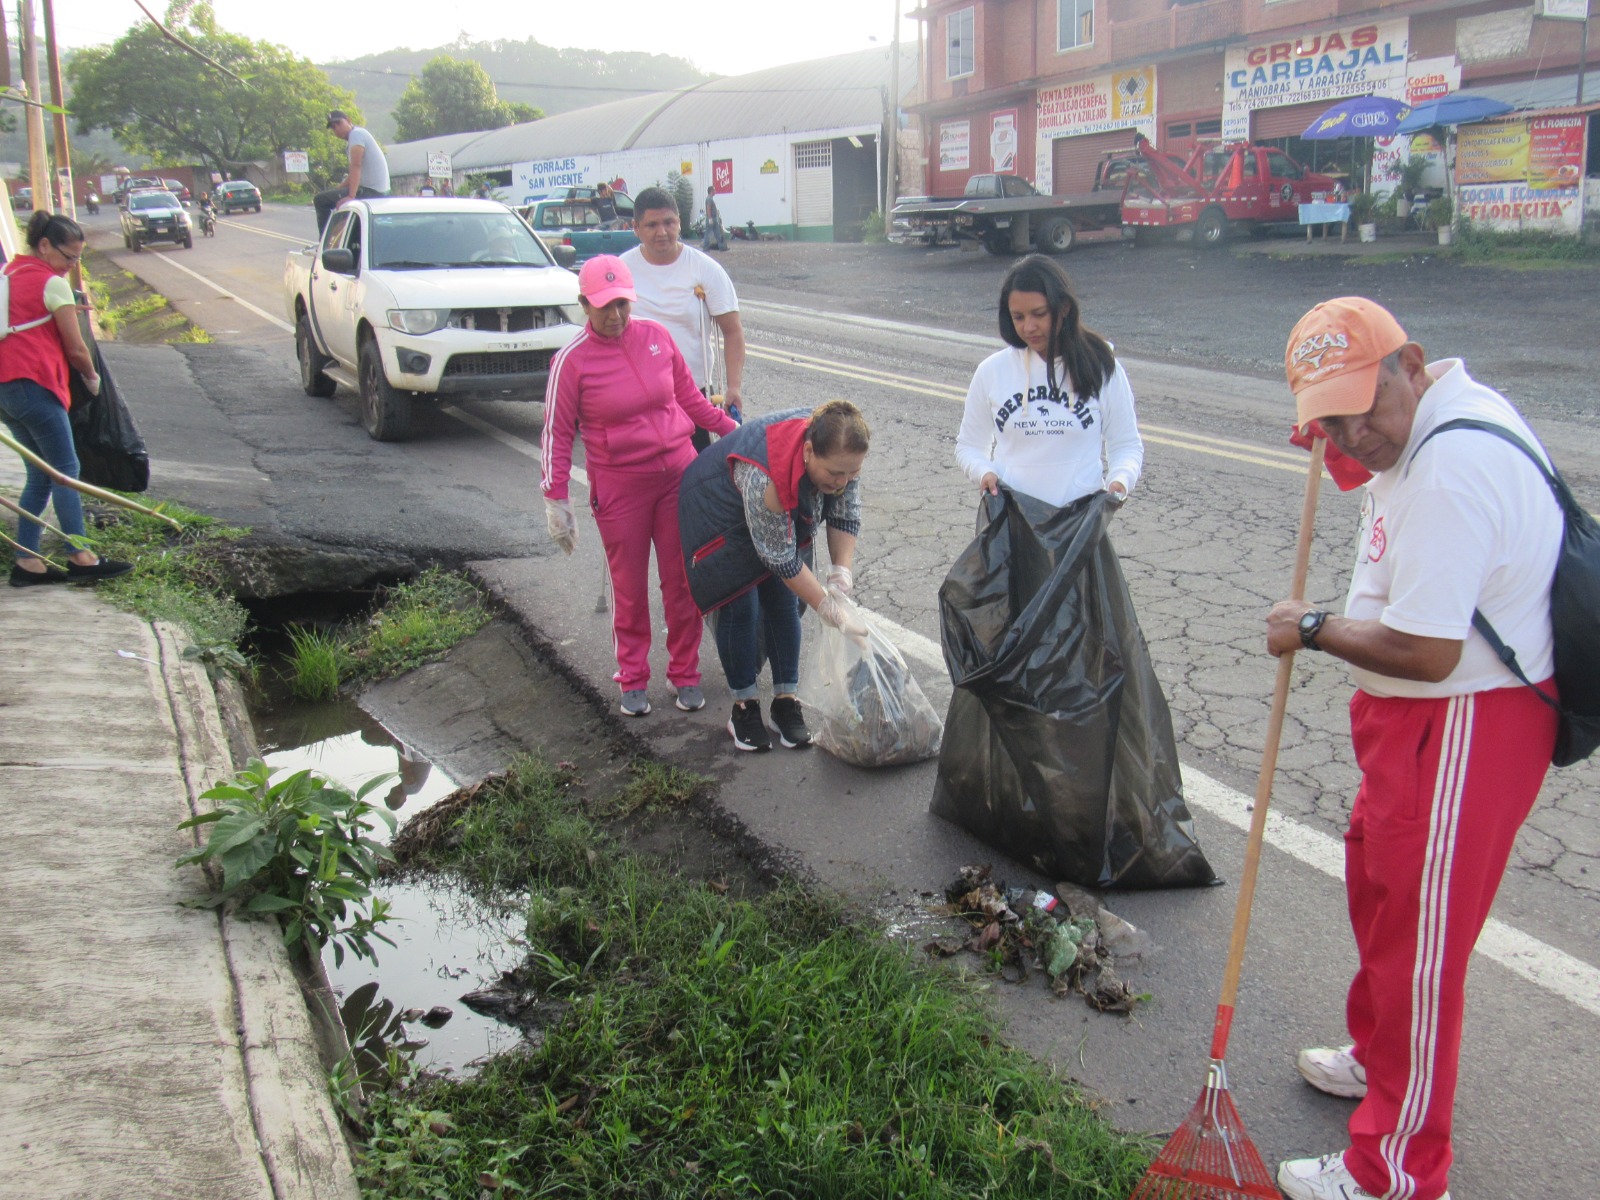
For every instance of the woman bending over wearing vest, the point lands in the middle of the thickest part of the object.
(34, 395)
(748, 508)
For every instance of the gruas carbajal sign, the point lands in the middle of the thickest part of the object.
(1322, 66)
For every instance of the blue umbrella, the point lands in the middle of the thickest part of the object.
(1458, 108)
(1360, 116)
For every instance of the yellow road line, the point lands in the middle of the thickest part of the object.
(1293, 461)
(266, 233)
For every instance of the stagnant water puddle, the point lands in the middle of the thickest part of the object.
(446, 945)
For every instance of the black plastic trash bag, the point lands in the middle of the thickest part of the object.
(1058, 746)
(862, 702)
(111, 454)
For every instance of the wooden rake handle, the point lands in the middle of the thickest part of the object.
(1269, 765)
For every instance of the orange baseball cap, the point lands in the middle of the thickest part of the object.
(1334, 354)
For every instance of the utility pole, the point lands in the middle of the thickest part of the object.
(38, 160)
(66, 202)
(891, 174)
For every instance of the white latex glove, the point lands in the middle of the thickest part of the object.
(91, 383)
(841, 580)
(838, 611)
(563, 526)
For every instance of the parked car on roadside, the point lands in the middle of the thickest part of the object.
(572, 220)
(178, 188)
(238, 194)
(155, 215)
(23, 200)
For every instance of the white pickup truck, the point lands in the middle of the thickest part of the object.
(409, 299)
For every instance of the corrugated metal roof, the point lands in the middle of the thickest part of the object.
(845, 91)
(1550, 92)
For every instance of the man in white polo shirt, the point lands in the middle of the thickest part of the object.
(685, 289)
(1452, 748)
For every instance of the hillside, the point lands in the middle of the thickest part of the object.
(549, 78)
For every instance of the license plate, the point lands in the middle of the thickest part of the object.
(513, 345)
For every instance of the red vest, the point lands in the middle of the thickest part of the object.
(37, 353)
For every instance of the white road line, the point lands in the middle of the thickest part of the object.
(509, 440)
(1542, 965)
(262, 313)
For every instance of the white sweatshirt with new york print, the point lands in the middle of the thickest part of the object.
(1055, 447)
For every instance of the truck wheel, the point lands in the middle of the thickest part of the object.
(385, 413)
(312, 361)
(1057, 236)
(1212, 229)
(998, 243)
(138, 244)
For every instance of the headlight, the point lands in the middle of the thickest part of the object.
(418, 320)
(573, 313)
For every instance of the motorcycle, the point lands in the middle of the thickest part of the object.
(92, 202)
(208, 222)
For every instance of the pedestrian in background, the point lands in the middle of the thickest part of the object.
(749, 509)
(684, 289)
(45, 340)
(623, 387)
(716, 237)
(1452, 747)
(368, 174)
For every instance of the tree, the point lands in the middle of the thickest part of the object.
(452, 96)
(165, 101)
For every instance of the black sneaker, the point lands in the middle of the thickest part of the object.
(748, 729)
(21, 578)
(790, 722)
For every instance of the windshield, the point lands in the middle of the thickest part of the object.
(453, 239)
(150, 202)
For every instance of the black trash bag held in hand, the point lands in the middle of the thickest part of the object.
(864, 705)
(1058, 745)
(111, 454)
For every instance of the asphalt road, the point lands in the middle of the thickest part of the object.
(1207, 543)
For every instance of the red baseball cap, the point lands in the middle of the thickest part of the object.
(605, 278)
(1333, 357)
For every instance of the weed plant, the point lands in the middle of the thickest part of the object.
(1474, 244)
(717, 1046)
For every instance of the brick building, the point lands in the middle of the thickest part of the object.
(1043, 88)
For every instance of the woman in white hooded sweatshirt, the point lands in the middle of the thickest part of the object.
(1051, 415)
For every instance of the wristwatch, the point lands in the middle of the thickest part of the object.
(1310, 626)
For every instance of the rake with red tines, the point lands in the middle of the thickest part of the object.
(1210, 1157)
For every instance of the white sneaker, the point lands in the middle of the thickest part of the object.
(1334, 1071)
(1322, 1179)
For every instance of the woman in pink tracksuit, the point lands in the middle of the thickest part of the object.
(624, 387)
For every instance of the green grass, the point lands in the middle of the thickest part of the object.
(177, 577)
(316, 663)
(417, 623)
(713, 1045)
(1528, 251)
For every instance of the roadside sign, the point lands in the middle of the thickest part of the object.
(297, 162)
(439, 165)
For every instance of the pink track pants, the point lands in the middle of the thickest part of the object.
(1445, 785)
(635, 510)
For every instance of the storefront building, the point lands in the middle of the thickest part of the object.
(1065, 81)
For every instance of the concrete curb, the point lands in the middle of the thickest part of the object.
(301, 1140)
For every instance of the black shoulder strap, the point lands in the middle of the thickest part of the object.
(1564, 499)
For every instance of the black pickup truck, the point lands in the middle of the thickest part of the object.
(1007, 215)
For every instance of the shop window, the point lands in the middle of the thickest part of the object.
(960, 44)
(1179, 130)
(1074, 24)
(1208, 129)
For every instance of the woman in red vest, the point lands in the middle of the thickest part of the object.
(34, 399)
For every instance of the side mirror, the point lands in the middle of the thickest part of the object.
(565, 256)
(341, 261)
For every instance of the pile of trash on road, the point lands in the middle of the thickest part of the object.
(1072, 938)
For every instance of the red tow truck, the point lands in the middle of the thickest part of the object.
(1219, 188)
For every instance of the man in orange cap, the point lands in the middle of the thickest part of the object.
(1452, 748)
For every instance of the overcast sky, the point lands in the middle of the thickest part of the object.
(719, 36)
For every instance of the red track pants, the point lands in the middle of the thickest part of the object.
(634, 510)
(1445, 785)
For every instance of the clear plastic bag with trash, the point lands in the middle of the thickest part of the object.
(861, 701)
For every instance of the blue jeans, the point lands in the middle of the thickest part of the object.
(768, 605)
(36, 419)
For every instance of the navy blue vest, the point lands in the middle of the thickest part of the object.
(718, 555)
